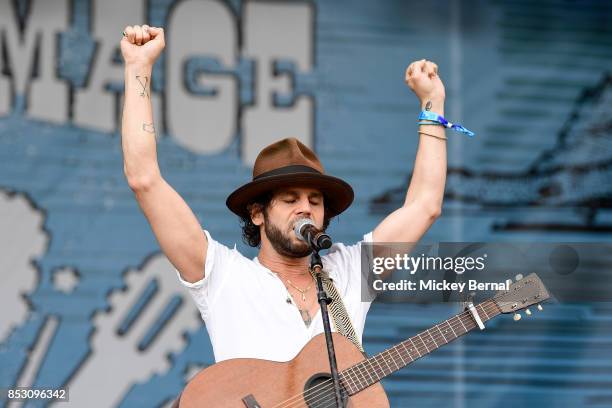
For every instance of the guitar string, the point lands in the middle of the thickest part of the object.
(456, 323)
(330, 397)
(329, 394)
(311, 392)
(439, 336)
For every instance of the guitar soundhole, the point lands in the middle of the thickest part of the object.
(319, 392)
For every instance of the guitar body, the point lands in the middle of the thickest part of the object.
(285, 384)
(269, 384)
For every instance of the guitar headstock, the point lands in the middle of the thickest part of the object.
(522, 294)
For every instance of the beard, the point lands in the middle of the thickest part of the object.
(283, 244)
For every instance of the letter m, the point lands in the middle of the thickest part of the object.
(31, 58)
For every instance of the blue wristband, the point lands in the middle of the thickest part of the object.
(436, 119)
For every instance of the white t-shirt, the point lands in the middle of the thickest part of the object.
(245, 308)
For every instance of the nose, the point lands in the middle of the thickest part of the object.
(304, 207)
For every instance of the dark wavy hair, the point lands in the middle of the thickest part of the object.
(250, 232)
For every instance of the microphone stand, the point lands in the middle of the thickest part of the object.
(316, 267)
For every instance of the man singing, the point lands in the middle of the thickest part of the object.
(266, 307)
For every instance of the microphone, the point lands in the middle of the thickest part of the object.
(306, 230)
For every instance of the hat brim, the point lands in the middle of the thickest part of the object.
(338, 193)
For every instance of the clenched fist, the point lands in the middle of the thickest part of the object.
(142, 44)
(422, 77)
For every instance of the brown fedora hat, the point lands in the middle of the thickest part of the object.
(286, 163)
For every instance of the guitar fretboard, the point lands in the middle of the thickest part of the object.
(373, 369)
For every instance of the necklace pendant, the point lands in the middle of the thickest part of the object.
(303, 297)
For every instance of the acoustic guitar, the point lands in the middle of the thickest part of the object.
(305, 381)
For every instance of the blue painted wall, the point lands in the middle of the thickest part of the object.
(532, 79)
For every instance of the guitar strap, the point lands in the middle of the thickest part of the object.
(337, 310)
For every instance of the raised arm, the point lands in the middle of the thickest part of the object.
(423, 201)
(176, 228)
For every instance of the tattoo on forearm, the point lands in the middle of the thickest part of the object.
(428, 106)
(148, 127)
(144, 91)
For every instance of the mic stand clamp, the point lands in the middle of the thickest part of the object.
(316, 267)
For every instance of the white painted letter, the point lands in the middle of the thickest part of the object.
(277, 31)
(203, 124)
(47, 97)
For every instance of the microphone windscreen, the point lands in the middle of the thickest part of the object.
(300, 224)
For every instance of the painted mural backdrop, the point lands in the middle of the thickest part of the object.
(88, 302)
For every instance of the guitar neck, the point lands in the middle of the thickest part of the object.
(375, 368)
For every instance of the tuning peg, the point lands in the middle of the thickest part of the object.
(528, 312)
(540, 308)
(519, 277)
(517, 317)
